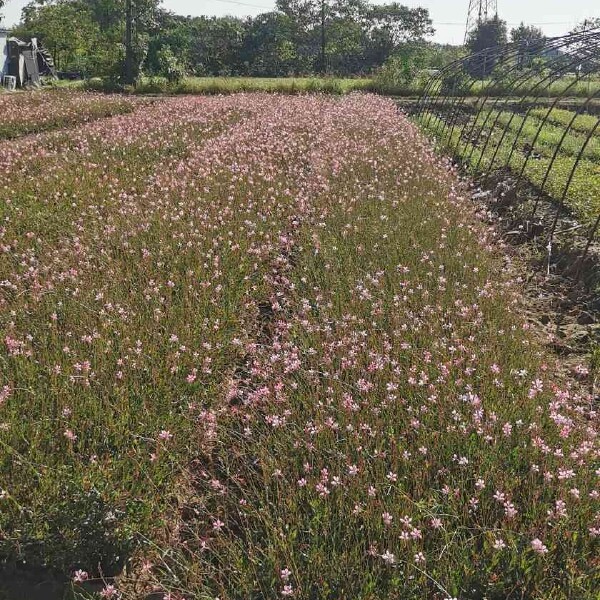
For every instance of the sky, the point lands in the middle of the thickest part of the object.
(555, 17)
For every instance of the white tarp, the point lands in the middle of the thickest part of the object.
(3, 53)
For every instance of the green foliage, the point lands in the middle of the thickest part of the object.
(518, 152)
(531, 40)
(89, 35)
(233, 85)
(268, 49)
(487, 34)
(401, 72)
(170, 67)
(73, 48)
(355, 37)
(527, 34)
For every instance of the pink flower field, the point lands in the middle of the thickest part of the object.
(259, 346)
(44, 111)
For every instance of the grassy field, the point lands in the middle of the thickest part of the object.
(257, 346)
(233, 85)
(384, 84)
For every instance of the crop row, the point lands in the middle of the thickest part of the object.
(481, 143)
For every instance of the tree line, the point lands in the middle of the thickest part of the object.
(123, 39)
(300, 37)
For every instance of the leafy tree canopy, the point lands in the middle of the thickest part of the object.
(527, 34)
(300, 37)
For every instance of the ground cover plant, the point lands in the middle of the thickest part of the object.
(257, 346)
(35, 112)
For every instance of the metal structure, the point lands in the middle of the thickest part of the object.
(512, 121)
(480, 11)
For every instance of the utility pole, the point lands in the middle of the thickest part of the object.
(129, 76)
(323, 57)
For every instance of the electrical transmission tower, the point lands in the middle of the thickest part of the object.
(480, 11)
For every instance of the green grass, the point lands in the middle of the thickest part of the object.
(582, 122)
(232, 85)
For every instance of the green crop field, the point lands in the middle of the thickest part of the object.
(525, 143)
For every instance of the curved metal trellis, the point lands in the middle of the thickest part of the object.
(499, 109)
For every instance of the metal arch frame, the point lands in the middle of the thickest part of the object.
(458, 64)
(549, 112)
(454, 67)
(580, 49)
(509, 50)
(559, 146)
(526, 79)
(549, 80)
(504, 56)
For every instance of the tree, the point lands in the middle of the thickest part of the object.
(67, 30)
(351, 35)
(488, 34)
(268, 48)
(313, 20)
(139, 19)
(582, 47)
(169, 65)
(391, 26)
(172, 31)
(527, 34)
(531, 40)
(216, 45)
(587, 25)
(120, 38)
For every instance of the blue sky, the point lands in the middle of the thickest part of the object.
(554, 16)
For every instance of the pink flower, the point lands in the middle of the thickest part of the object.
(218, 525)
(499, 544)
(388, 557)
(68, 433)
(538, 547)
(5, 392)
(80, 576)
(165, 435)
(110, 591)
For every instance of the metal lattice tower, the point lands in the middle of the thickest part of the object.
(480, 11)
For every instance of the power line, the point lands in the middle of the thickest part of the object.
(508, 23)
(245, 4)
